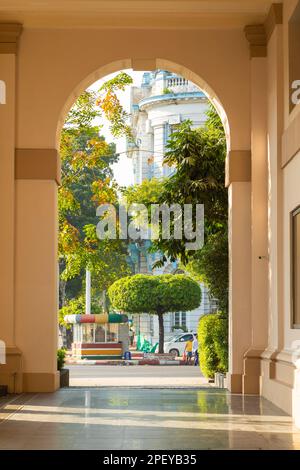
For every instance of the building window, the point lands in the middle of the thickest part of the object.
(294, 54)
(180, 320)
(295, 268)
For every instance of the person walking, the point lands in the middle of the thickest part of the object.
(131, 336)
(195, 350)
(188, 351)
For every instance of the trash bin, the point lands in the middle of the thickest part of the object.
(127, 356)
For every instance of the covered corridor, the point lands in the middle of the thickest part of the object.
(124, 418)
(245, 57)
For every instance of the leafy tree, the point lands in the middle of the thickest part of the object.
(87, 181)
(76, 306)
(155, 295)
(198, 156)
(148, 192)
(210, 265)
(111, 106)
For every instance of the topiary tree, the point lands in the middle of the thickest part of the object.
(145, 293)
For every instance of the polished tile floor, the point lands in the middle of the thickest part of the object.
(124, 418)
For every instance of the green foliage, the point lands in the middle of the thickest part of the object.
(198, 156)
(76, 306)
(155, 294)
(221, 342)
(87, 181)
(148, 192)
(61, 358)
(210, 265)
(213, 344)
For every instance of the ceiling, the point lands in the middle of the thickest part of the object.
(172, 14)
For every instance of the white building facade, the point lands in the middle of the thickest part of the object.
(163, 101)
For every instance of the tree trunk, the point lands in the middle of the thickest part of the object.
(103, 301)
(62, 292)
(161, 332)
(69, 338)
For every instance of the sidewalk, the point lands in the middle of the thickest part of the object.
(138, 376)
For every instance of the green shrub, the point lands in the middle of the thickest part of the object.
(213, 344)
(61, 358)
(221, 342)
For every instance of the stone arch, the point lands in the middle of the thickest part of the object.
(56, 83)
(148, 64)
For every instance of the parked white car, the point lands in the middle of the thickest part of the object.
(176, 345)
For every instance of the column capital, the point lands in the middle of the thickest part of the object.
(9, 37)
(258, 35)
(37, 164)
(238, 167)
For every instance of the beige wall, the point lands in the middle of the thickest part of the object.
(50, 80)
(36, 277)
(275, 228)
(291, 199)
(7, 149)
(259, 210)
(279, 373)
(240, 280)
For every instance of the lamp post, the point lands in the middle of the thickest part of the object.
(88, 292)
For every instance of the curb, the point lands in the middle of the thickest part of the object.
(132, 362)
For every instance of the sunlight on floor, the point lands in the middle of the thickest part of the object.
(145, 419)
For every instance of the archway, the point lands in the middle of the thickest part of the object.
(42, 189)
(164, 64)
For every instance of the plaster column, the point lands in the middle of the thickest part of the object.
(275, 222)
(10, 373)
(259, 210)
(238, 176)
(36, 303)
(259, 226)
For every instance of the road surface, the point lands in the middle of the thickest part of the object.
(136, 376)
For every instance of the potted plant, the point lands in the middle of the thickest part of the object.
(64, 373)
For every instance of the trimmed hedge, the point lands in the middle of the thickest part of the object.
(155, 294)
(213, 344)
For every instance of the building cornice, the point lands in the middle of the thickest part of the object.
(9, 37)
(137, 14)
(169, 97)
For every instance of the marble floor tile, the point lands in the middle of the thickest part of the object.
(116, 418)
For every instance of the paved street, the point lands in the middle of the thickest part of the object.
(136, 376)
(124, 418)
